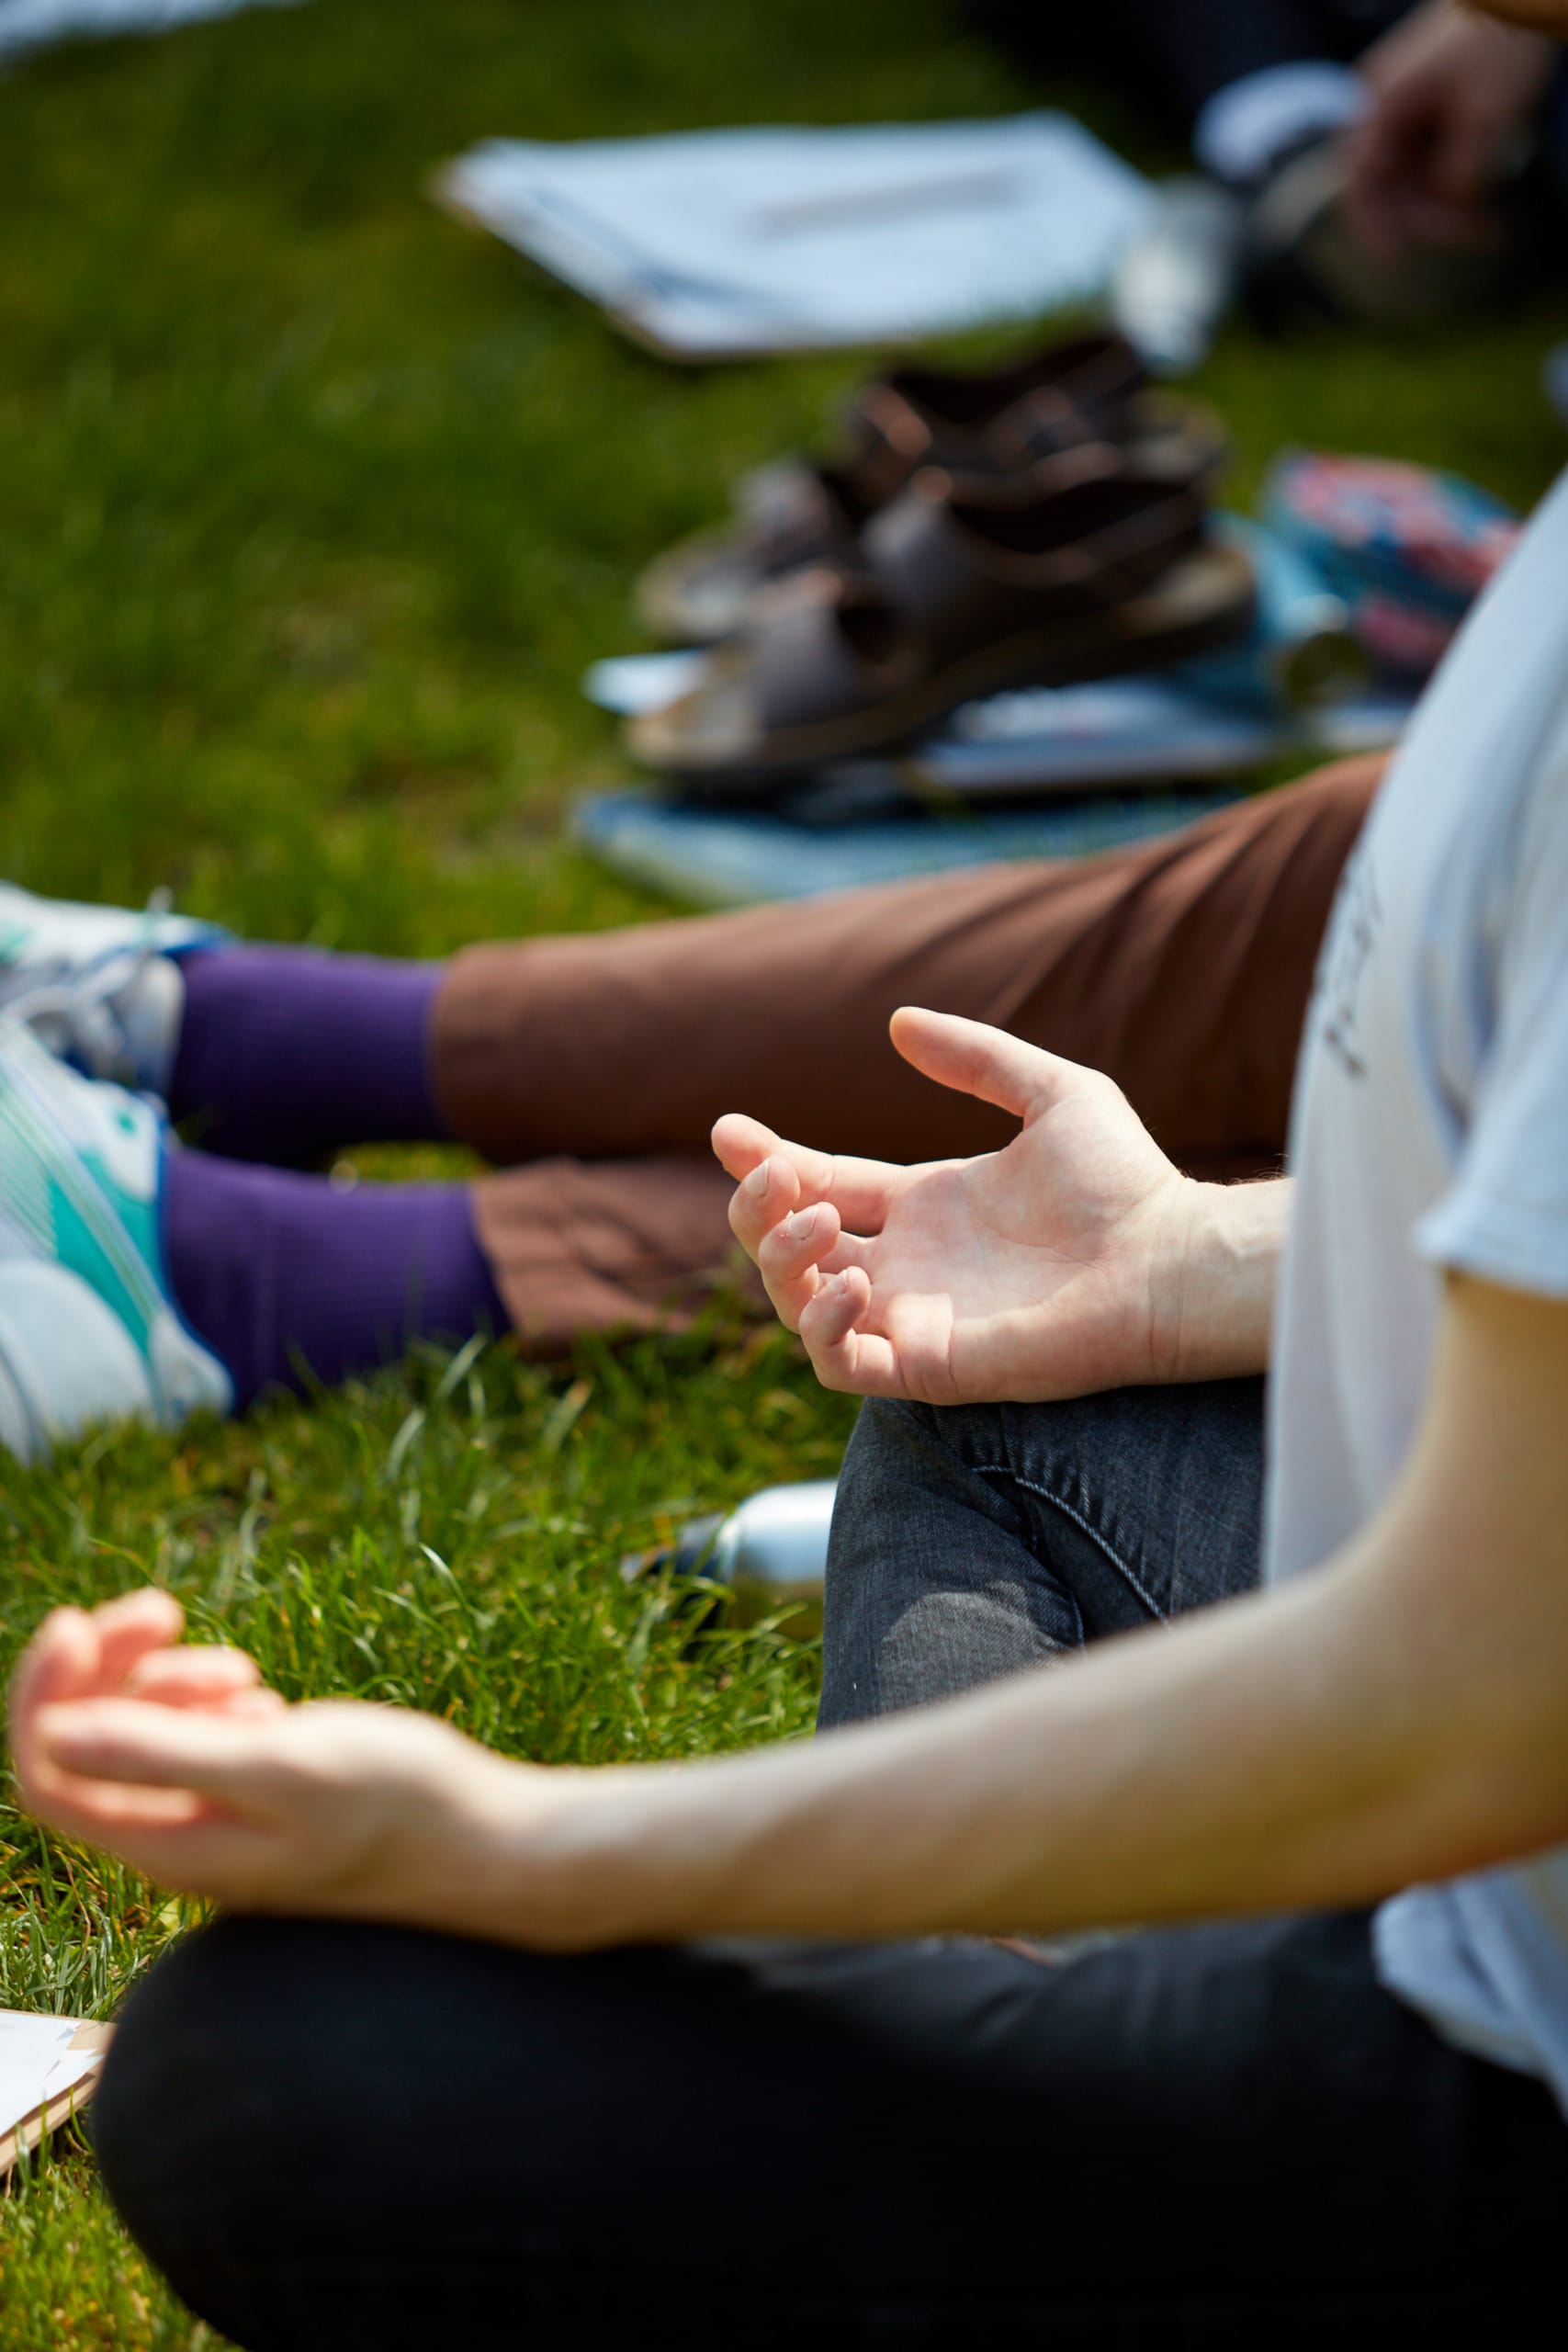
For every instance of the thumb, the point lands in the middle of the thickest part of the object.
(974, 1058)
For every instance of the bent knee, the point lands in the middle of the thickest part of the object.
(213, 2072)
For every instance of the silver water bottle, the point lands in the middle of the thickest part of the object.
(771, 1552)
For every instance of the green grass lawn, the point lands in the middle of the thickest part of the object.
(313, 508)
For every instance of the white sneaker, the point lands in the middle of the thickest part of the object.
(88, 1330)
(100, 985)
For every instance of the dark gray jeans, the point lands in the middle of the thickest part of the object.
(1226, 2137)
(969, 1545)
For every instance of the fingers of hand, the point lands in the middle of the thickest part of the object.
(75, 1652)
(740, 1142)
(837, 1305)
(175, 1838)
(77, 1806)
(256, 1704)
(769, 1193)
(862, 1363)
(803, 1239)
(100, 1813)
(773, 1196)
(799, 1251)
(787, 1259)
(859, 1189)
(208, 1755)
(133, 1625)
(974, 1058)
(60, 1662)
(193, 1678)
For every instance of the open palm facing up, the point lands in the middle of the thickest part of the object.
(1053, 1268)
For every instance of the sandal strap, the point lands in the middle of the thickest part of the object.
(953, 566)
(1096, 375)
(797, 513)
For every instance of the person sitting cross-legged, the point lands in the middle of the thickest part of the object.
(751, 2047)
(1166, 1937)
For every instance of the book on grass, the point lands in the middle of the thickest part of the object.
(48, 2070)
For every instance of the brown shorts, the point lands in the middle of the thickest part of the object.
(589, 1069)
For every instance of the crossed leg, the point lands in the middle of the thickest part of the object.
(1227, 2136)
(1183, 967)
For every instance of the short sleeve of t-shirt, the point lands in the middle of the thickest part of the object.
(1504, 1215)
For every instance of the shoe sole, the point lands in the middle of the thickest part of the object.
(1146, 633)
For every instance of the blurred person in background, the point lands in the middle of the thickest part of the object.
(141, 1278)
(1386, 159)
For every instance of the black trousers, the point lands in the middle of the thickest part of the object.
(1227, 2136)
(1176, 55)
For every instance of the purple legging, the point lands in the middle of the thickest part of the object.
(286, 1054)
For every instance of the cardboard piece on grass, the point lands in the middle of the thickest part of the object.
(48, 2070)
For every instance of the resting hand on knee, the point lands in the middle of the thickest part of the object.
(182, 1763)
(1077, 1259)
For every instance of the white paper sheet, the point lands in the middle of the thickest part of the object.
(713, 242)
(37, 2063)
(30, 24)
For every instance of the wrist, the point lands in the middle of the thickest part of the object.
(1221, 1314)
(564, 1858)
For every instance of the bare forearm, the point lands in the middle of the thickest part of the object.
(1399, 1715)
(1274, 1754)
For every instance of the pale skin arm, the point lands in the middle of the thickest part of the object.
(1399, 1715)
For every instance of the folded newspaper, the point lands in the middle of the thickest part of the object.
(713, 244)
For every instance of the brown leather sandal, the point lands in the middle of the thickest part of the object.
(1088, 567)
(793, 515)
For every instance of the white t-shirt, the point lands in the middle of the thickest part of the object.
(1431, 1131)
